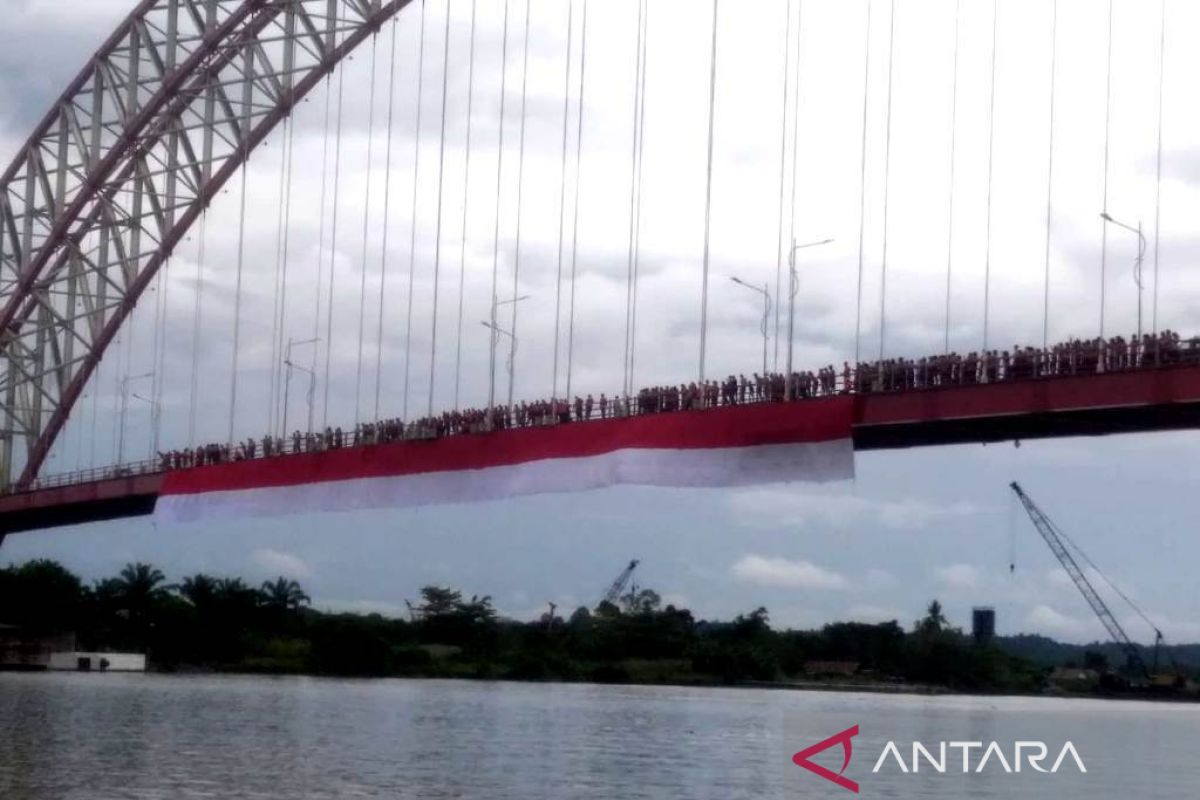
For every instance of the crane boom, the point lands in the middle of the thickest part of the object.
(614, 592)
(1054, 540)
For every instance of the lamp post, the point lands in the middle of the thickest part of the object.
(496, 331)
(766, 294)
(124, 410)
(1137, 264)
(793, 288)
(287, 381)
(155, 415)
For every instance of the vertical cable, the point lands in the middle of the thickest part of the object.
(333, 236)
(953, 165)
(283, 278)
(237, 307)
(987, 256)
(493, 335)
(712, 105)
(1162, 50)
(562, 194)
(317, 282)
(366, 237)
(1107, 136)
(387, 207)
(412, 247)
(862, 186)
(274, 389)
(633, 173)
(462, 254)
(783, 128)
(512, 339)
(1050, 176)
(197, 315)
(578, 185)
(793, 286)
(887, 180)
(637, 233)
(437, 245)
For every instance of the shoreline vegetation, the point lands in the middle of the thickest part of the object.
(213, 624)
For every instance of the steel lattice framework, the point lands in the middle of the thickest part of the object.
(121, 167)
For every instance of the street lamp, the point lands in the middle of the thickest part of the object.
(155, 415)
(493, 325)
(793, 288)
(765, 292)
(1137, 264)
(287, 381)
(124, 410)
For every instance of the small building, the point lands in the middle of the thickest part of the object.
(983, 624)
(25, 649)
(74, 661)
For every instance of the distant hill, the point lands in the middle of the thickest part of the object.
(1048, 653)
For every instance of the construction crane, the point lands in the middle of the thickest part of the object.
(1058, 543)
(613, 595)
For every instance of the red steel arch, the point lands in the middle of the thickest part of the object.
(123, 165)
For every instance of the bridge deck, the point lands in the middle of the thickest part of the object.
(1156, 399)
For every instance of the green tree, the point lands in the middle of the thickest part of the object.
(284, 594)
(138, 587)
(439, 601)
(934, 620)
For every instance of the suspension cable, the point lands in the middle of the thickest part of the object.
(953, 165)
(366, 234)
(887, 181)
(462, 254)
(637, 233)
(712, 105)
(793, 286)
(493, 335)
(1050, 176)
(1107, 136)
(987, 257)
(512, 339)
(237, 297)
(862, 186)
(437, 246)
(318, 283)
(333, 237)
(633, 183)
(197, 313)
(783, 127)
(578, 185)
(412, 247)
(283, 278)
(562, 194)
(1162, 50)
(387, 204)
(274, 385)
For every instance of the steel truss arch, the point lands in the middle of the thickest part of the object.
(123, 165)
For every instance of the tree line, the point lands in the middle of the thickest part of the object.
(205, 622)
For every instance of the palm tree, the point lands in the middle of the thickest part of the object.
(199, 589)
(284, 594)
(139, 586)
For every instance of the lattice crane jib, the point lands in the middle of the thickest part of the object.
(128, 158)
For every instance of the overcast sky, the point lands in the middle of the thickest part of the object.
(913, 525)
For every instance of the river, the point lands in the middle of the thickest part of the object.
(97, 737)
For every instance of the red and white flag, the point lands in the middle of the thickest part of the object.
(729, 446)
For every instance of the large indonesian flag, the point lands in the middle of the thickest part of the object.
(730, 446)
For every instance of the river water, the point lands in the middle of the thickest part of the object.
(149, 736)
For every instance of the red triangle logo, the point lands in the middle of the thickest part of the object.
(801, 759)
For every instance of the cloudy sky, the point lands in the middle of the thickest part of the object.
(912, 525)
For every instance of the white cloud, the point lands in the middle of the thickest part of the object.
(798, 508)
(277, 562)
(959, 576)
(787, 573)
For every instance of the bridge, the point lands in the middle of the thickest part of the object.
(120, 176)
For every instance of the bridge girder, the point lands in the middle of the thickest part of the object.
(124, 164)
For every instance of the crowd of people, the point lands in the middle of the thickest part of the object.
(1074, 357)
